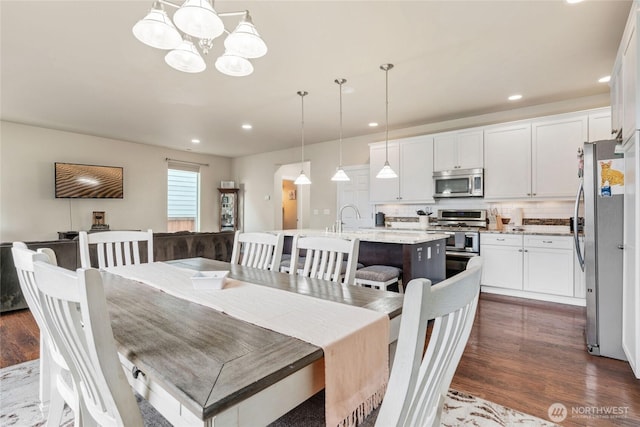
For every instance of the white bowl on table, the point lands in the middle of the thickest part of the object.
(209, 279)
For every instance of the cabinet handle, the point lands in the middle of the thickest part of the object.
(614, 131)
(534, 194)
(500, 240)
(520, 250)
(547, 241)
(526, 250)
(528, 194)
(621, 247)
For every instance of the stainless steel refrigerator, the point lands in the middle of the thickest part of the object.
(601, 259)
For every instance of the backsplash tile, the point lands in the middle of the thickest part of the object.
(534, 212)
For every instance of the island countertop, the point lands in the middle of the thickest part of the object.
(403, 237)
(416, 253)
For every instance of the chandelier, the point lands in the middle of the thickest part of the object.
(198, 21)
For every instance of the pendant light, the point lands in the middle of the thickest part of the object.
(302, 179)
(386, 172)
(340, 174)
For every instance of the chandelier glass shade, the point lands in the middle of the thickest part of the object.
(157, 30)
(186, 58)
(232, 64)
(198, 19)
(245, 40)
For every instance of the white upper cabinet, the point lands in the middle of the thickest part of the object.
(507, 161)
(629, 81)
(554, 148)
(534, 159)
(624, 77)
(616, 99)
(600, 125)
(458, 150)
(412, 160)
(416, 169)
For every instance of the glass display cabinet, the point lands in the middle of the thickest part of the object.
(228, 209)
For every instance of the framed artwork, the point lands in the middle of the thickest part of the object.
(292, 194)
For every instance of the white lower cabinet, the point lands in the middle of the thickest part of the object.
(502, 260)
(531, 266)
(548, 265)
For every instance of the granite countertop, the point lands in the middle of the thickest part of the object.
(404, 237)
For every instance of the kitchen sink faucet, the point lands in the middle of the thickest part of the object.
(339, 222)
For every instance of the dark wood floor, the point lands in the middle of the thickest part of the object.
(522, 354)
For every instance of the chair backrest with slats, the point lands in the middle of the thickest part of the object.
(258, 250)
(23, 259)
(419, 383)
(74, 306)
(328, 258)
(115, 248)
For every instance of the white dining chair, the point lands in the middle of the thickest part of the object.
(115, 248)
(74, 307)
(328, 258)
(418, 384)
(258, 250)
(55, 386)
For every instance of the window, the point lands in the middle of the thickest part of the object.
(183, 198)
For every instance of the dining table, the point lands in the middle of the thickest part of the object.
(202, 367)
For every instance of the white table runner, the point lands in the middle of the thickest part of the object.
(354, 340)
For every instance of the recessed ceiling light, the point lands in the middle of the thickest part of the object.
(195, 141)
(573, 1)
(348, 90)
(604, 79)
(373, 124)
(247, 126)
(515, 97)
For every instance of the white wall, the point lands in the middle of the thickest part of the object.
(29, 211)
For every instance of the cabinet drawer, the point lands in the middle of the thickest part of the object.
(500, 239)
(554, 242)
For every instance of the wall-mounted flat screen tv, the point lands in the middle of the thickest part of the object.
(74, 181)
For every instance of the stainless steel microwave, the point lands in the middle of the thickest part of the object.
(458, 183)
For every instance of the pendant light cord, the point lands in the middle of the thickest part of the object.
(386, 68)
(340, 82)
(302, 95)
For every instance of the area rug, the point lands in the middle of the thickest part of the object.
(19, 406)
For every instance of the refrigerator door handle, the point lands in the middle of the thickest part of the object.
(575, 226)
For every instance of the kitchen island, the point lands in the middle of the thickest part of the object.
(417, 253)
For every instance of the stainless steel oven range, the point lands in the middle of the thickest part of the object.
(463, 228)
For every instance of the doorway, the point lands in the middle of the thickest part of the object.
(300, 197)
(289, 205)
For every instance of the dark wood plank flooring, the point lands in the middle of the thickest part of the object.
(522, 354)
(528, 355)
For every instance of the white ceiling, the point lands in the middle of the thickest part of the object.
(75, 65)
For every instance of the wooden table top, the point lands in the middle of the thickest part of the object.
(210, 361)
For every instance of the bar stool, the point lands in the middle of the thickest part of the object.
(379, 276)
